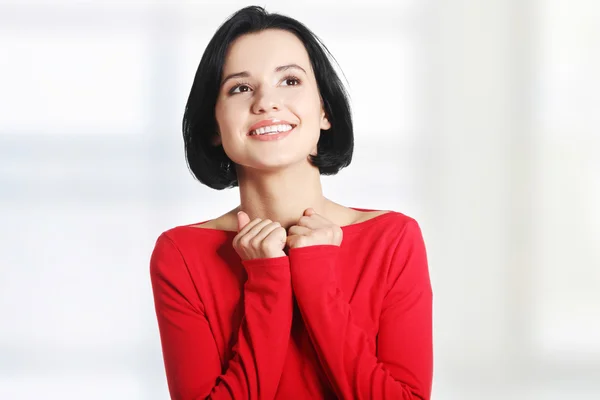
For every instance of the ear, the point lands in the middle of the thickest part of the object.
(325, 124)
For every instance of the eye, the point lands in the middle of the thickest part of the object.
(239, 88)
(291, 81)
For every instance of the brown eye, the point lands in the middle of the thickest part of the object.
(291, 81)
(239, 89)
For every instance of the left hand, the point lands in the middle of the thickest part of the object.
(313, 229)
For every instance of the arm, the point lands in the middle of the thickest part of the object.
(191, 358)
(403, 366)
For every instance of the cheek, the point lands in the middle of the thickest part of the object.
(219, 114)
(221, 111)
(226, 124)
(228, 117)
(307, 106)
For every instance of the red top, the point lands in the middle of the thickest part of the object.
(352, 321)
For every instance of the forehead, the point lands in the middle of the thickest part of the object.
(267, 49)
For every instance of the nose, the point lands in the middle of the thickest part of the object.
(264, 101)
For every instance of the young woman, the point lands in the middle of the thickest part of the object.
(289, 295)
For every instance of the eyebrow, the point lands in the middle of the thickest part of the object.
(245, 74)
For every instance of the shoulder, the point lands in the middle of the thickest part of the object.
(393, 230)
(169, 244)
(405, 238)
(203, 230)
(402, 227)
(383, 221)
(398, 237)
(402, 222)
(183, 241)
(382, 230)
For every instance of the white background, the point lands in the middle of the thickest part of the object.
(478, 118)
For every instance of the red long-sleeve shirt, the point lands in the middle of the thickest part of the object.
(352, 322)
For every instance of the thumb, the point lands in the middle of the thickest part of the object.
(242, 219)
(308, 212)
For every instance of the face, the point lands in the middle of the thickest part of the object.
(268, 81)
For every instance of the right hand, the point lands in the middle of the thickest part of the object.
(259, 238)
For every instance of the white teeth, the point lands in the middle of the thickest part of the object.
(272, 129)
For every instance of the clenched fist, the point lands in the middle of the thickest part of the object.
(313, 229)
(259, 238)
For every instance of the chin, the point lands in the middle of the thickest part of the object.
(276, 163)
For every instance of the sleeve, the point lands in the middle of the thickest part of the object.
(191, 358)
(403, 365)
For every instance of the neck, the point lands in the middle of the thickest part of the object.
(281, 195)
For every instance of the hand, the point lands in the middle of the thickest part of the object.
(313, 229)
(259, 238)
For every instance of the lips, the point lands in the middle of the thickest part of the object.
(269, 122)
(269, 137)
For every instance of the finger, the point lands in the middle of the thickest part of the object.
(266, 231)
(294, 241)
(255, 230)
(311, 222)
(291, 240)
(299, 230)
(249, 226)
(243, 219)
(320, 221)
(277, 235)
(309, 211)
(319, 217)
(244, 230)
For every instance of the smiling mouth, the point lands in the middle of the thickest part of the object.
(271, 129)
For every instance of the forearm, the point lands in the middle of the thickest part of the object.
(346, 351)
(264, 334)
(193, 363)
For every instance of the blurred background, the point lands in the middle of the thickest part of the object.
(481, 119)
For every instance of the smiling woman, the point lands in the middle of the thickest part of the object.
(288, 295)
(266, 95)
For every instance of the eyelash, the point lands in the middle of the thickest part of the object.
(245, 83)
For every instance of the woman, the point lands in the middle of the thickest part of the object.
(289, 295)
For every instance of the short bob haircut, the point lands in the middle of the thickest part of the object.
(209, 163)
